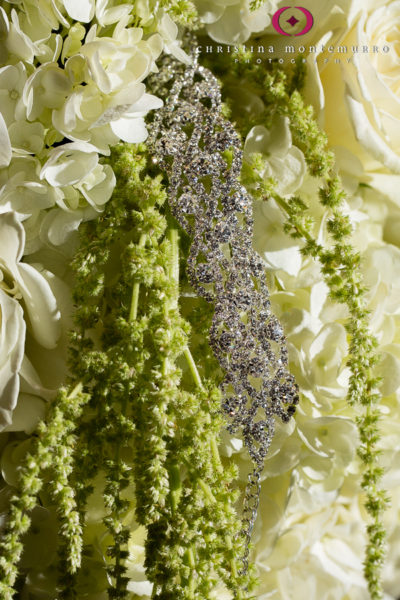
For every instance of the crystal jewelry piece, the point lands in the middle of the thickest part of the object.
(201, 154)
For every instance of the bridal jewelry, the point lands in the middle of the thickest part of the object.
(201, 154)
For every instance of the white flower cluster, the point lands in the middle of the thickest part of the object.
(72, 85)
(233, 21)
(72, 78)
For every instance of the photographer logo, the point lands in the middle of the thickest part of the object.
(292, 21)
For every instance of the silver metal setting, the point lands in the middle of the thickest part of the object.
(201, 154)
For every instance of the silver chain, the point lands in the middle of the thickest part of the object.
(201, 154)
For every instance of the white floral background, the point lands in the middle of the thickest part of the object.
(84, 94)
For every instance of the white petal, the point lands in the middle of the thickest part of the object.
(257, 20)
(288, 260)
(386, 184)
(289, 172)
(229, 29)
(80, 10)
(142, 588)
(69, 164)
(44, 316)
(276, 141)
(59, 224)
(368, 136)
(30, 382)
(130, 130)
(12, 240)
(5, 144)
(111, 15)
(209, 12)
(168, 28)
(120, 104)
(100, 193)
(389, 371)
(27, 414)
(12, 344)
(143, 105)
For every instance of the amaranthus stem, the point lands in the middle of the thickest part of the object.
(193, 369)
(136, 287)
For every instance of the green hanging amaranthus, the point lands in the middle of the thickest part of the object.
(51, 453)
(153, 438)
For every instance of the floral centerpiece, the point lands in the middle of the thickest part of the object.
(199, 264)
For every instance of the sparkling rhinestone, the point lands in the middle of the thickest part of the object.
(246, 338)
(204, 273)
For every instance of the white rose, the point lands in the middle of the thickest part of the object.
(27, 283)
(359, 97)
(12, 332)
(5, 144)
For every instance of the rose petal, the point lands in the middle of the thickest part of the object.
(41, 306)
(27, 414)
(5, 144)
(12, 240)
(12, 344)
(367, 135)
(30, 381)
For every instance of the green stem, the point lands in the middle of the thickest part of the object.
(193, 369)
(175, 486)
(136, 287)
(285, 206)
(207, 491)
(173, 237)
(215, 455)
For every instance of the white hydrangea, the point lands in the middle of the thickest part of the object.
(232, 21)
(285, 163)
(86, 89)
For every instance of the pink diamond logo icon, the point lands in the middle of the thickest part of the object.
(292, 21)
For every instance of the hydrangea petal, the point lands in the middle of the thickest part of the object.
(80, 10)
(130, 130)
(69, 164)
